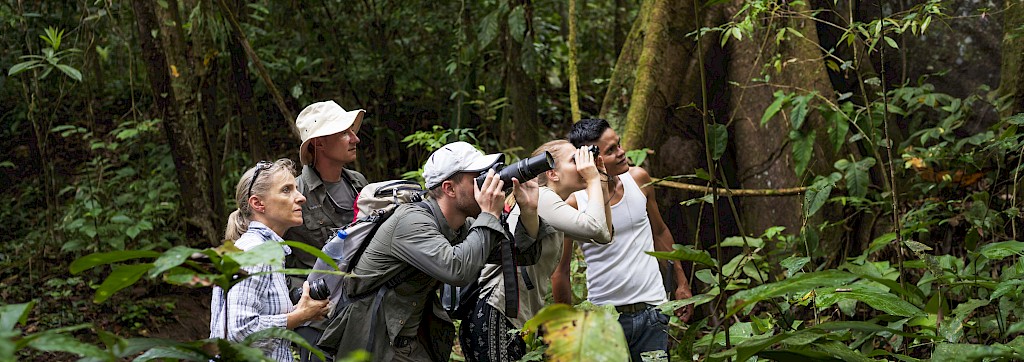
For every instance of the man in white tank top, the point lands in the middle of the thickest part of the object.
(621, 273)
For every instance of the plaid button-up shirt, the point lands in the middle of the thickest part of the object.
(256, 303)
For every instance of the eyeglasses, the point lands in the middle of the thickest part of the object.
(260, 166)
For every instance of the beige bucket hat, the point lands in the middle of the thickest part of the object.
(322, 119)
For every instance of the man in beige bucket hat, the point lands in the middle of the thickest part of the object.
(329, 144)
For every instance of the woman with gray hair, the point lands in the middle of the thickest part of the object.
(268, 204)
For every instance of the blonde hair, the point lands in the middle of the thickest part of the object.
(557, 151)
(238, 221)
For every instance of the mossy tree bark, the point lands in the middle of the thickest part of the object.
(173, 74)
(661, 68)
(764, 154)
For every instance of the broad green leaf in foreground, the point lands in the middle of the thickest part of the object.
(799, 283)
(576, 335)
(686, 253)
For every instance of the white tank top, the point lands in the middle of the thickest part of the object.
(620, 273)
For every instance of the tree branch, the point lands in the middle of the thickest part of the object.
(729, 192)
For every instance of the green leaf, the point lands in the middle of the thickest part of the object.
(175, 353)
(686, 253)
(970, 352)
(743, 241)
(799, 113)
(803, 149)
(170, 259)
(70, 72)
(488, 30)
(13, 314)
(577, 335)
(799, 283)
(670, 306)
(892, 43)
(517, 24)
(1001, 250)
(780, 99)
(816, 196)
(315, 252)
(794, 263)
(121, 277)
(59, 342)
(96, 259)
(718, 136)
(856, 182)
(121, 219)
(23, 66)
(281, 333)
(885, 302)
(266, 253)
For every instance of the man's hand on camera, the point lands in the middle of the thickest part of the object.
(491, 196)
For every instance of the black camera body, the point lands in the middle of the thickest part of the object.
(523, 170)
(318, 290)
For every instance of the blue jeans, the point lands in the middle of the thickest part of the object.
(646, 330)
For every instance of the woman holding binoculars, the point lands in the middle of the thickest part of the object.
(268, 204)
(484, 336)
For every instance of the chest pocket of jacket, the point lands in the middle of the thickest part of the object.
(316, 222)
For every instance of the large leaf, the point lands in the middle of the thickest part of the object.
(175, 353)
(13, 314)
(882, 301)
(971, 352)
(718, 137)
(743, 241)
(23, 66)
(120, 278)
(803, 149)
(488, 29)
(283, 334)
(686, 253)
(780, 99)
(1001, 250)
(96, 259)
(59, 342)
(575, 335)
(799, 283)
(312, 251)
(266, 253)
(170, 259)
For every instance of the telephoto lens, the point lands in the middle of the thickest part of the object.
(523, 170)
(318, 290)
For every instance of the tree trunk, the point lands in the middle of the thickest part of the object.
(249, 123)
(521, 129)
(662, 66)
(764, 154)
(1013, 64)
(172, 80)
(620, 88)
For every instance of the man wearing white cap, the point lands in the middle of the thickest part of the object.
(329, 143)
(396, 314)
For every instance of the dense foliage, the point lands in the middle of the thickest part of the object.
(906, 244)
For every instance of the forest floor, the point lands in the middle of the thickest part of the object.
(147, 309)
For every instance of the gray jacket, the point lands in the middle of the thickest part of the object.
(420, 245)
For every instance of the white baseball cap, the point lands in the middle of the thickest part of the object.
(322, 119)
(453, 158)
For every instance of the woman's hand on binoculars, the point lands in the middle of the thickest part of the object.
(586, 165)
(526, 194)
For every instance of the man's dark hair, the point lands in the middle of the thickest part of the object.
(587, 131)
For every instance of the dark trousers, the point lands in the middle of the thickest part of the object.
(484, 336)
(646, 333)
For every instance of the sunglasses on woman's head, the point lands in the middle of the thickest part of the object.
(260, 166)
